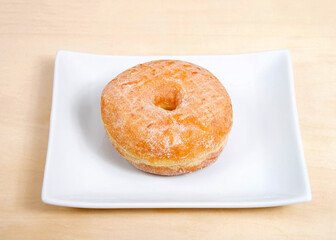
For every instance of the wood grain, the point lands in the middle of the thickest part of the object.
(32, 31)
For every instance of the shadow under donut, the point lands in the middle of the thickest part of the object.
(91, 124)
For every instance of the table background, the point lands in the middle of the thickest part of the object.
(32, 31)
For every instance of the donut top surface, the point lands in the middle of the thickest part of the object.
(166, 111)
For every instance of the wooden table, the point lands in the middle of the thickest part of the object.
(32, 31)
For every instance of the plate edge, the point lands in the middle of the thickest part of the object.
(297, 125)
(155, 205)
(51, 125)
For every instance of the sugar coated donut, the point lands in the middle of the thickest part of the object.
(167, 117)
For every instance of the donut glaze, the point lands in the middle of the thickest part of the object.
(167, 117)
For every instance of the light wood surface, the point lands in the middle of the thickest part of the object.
(32, 31)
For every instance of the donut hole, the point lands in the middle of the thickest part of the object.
(169, 106)
(168, 99)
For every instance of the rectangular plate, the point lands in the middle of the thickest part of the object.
(262, 165)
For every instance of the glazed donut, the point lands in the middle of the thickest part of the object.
(167, 117)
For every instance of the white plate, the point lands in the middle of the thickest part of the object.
(262, 165)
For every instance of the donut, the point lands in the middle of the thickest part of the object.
(167, 117)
